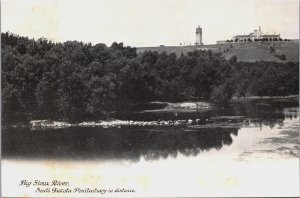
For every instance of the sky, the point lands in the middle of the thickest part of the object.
(147, 22)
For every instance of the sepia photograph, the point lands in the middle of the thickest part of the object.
(150, 98)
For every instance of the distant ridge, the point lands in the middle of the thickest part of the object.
(280, 51)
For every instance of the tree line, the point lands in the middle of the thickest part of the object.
(76, 81)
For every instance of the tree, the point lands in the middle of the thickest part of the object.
(233, 59)
(223, 93)
(76, 81)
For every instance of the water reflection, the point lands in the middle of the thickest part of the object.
(123, 143)
(261, 111)
(213, 129)
(236, 150)
(291, 113)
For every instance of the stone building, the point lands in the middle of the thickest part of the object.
(255, 36)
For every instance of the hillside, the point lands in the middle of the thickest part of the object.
(245, 52)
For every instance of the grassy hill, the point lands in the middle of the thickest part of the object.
(245, 52)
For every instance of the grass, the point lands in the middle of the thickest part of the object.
(245, 52)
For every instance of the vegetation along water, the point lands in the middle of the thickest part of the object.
(75, 81)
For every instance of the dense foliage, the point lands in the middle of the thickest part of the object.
(76, 81)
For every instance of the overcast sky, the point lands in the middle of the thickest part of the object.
(147, 22)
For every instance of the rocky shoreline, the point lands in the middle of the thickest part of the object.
(37, 124)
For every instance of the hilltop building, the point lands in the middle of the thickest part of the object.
(199, 36)
(256, 35)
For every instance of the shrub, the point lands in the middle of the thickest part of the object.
(280, 56)
(233, 59)
(222, 94)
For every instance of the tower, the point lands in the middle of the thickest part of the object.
(199, 36)
(259, 33)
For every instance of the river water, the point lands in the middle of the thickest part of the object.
(249, 148)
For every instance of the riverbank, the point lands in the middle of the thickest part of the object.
(109, 123)
(181, 106)
(265, 97)
(159, 114)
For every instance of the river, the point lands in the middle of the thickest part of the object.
(249, 148)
